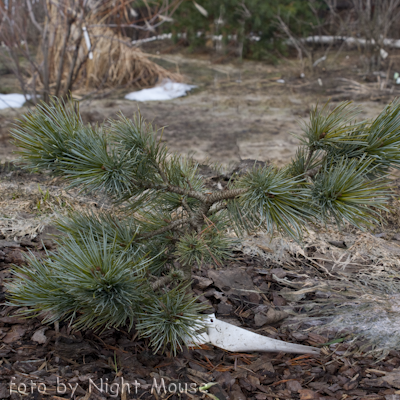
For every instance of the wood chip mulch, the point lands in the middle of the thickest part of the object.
(36, 362)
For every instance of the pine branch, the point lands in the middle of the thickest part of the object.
(174, 189)
(170, 227)
(187, 208)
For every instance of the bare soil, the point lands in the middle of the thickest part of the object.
(239, 110)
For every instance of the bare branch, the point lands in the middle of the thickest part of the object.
(70, 80)
(296, 43)
(187, 208)
(32, 16)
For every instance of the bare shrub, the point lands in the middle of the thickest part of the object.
(370, 23)
(54, 47)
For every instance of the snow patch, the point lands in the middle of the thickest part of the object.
(167, 90)
(12, 100)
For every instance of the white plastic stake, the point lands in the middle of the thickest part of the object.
(232, 338)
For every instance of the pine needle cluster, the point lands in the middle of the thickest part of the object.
(136, 268)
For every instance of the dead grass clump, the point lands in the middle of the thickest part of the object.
(342, 282)
(82, 53)
(116, 63)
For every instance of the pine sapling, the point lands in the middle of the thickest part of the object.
(133, 265)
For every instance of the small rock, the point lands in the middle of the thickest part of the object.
(39, 336)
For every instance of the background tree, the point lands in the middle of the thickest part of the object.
(371, 24)
(248, 28)
(133, 265)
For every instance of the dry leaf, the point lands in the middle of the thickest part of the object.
(270, 317)
(16, 332)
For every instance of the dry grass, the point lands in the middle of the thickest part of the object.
(353, 290)
(115, 63)
(27, 208)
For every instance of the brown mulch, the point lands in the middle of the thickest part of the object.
(43, 363)
(53, 362)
